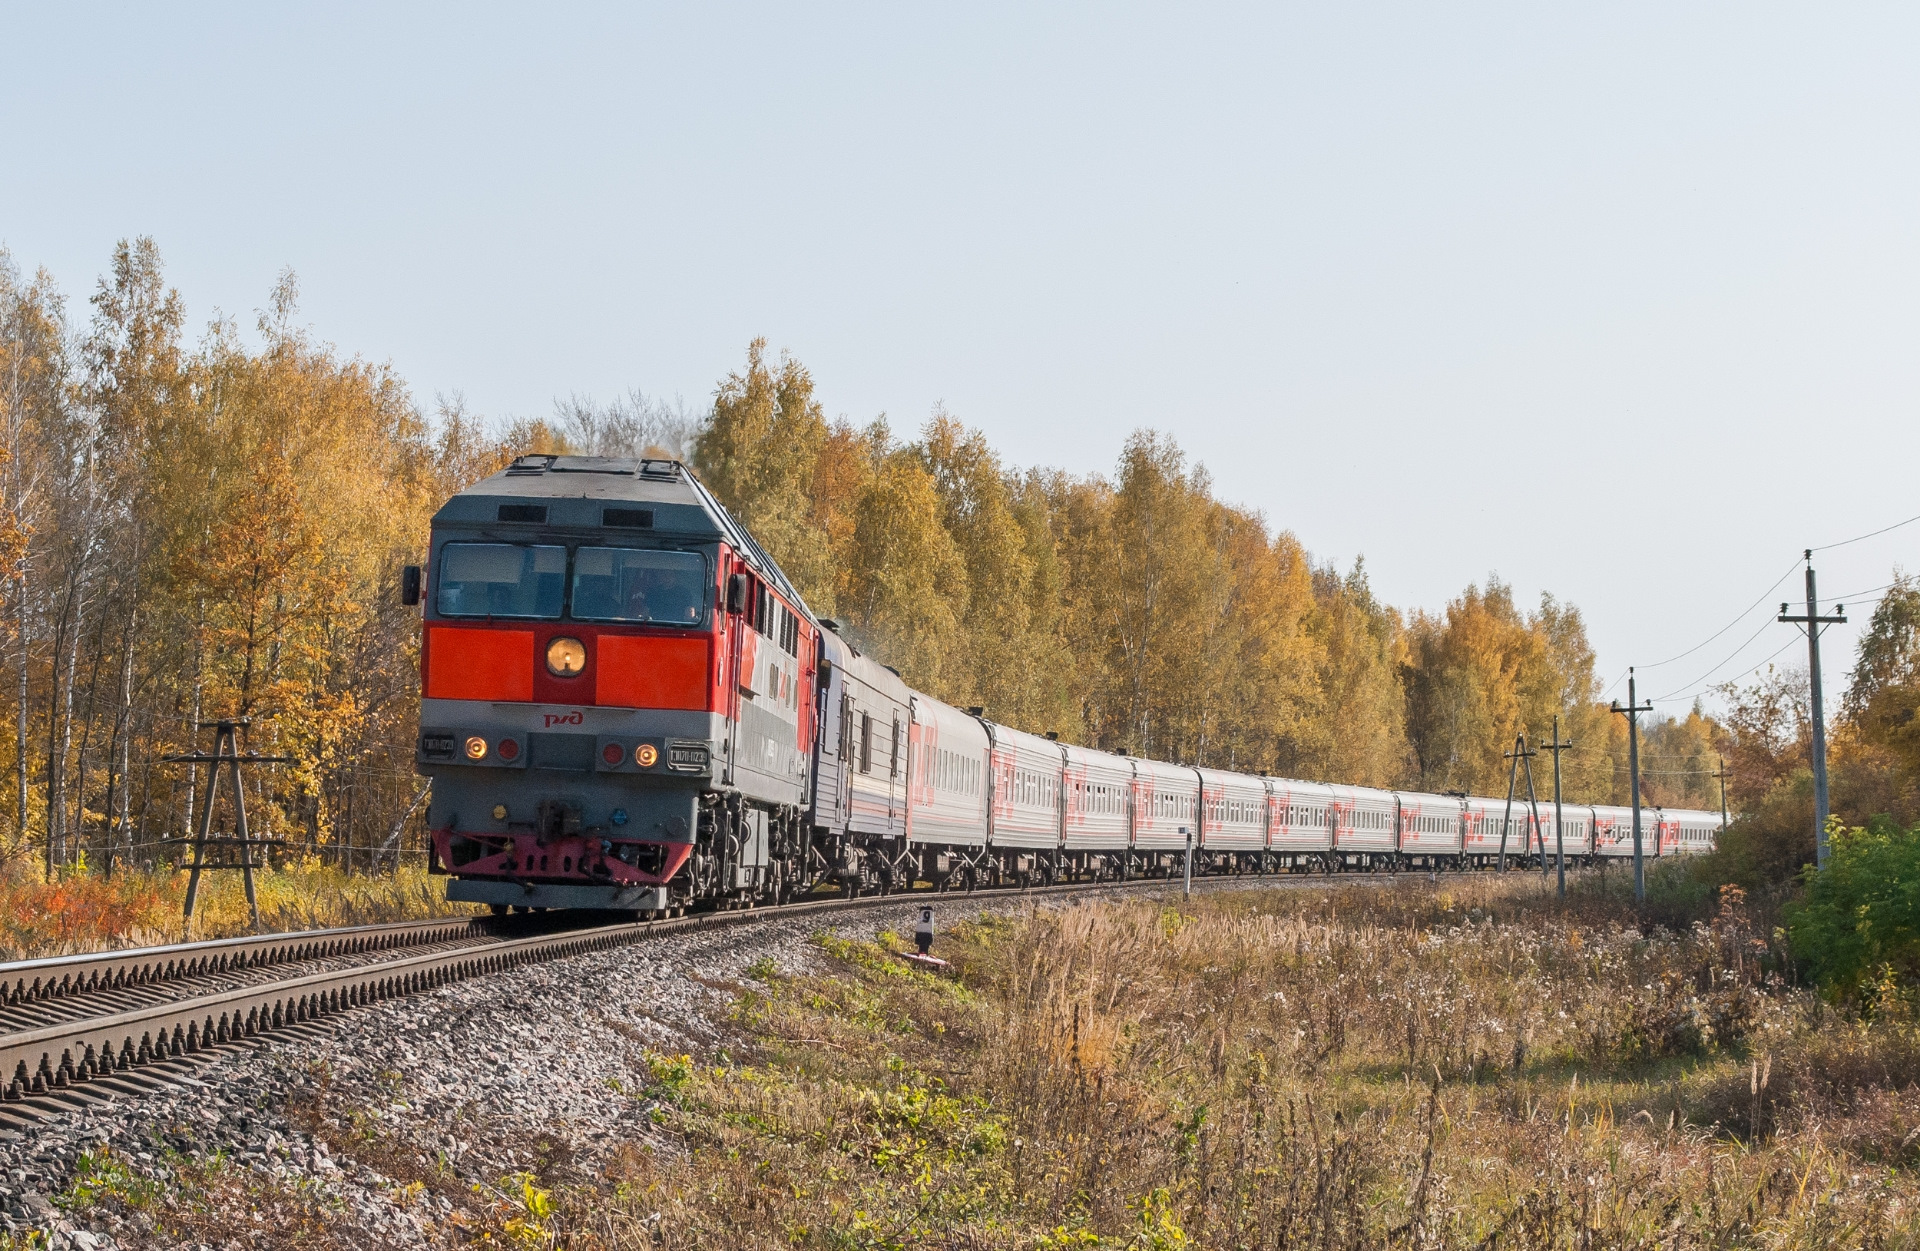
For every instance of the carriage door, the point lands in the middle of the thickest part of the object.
(738, 666)
(896, 774)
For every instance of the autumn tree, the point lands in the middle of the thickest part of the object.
(758, 454)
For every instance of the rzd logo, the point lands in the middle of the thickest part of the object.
(575, 717)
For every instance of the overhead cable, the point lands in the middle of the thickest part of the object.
(1870, 534)
(1723, 629)
(1690, 693)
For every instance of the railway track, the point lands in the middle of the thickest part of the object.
(80, 1030)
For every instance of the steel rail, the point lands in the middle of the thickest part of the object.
(51, 977)
(51, 1058)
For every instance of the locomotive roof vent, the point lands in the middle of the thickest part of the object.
(628, 518)
(535, 513)
(525, 465)
(592, 464)
(660, 468)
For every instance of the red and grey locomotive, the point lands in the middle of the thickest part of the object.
(616, 693)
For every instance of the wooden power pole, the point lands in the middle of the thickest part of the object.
(1556, 746)
(1813, 621)
(1632, 713)
(226, 752)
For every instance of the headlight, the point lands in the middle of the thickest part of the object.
(566, 657)
(476, 748)
(646, 755)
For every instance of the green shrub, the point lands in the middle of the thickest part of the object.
(1860, 919)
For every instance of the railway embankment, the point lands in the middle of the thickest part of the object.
(1324, 1063)
(419, 1121)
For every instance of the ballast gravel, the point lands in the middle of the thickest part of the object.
(474, 1077)
(480, 1079)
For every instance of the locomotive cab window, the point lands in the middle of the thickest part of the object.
(500, 580)
(639, 585)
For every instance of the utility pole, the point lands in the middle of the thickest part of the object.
(1533, 808)
(226, 752)
(1813, 621)
(1519, 753)
(1555, 746)
(1722, 776)
(1632, 713)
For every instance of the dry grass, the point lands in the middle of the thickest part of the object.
(85, 912)
(1459, 1066)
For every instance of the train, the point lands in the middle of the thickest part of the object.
(627, 706)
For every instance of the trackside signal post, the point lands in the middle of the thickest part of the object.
(1813, 621)
(1632, 713)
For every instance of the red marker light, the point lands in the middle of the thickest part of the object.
(508, 749)
(613, 753)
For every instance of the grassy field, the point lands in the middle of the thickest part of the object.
(84, 912)
(1458, 1065)
(1463, 1065)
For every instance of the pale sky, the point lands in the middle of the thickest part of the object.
(1617, 301)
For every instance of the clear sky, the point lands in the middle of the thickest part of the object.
(1617, 301)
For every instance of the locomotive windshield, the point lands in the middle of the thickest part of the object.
(634, 584)
(501, 580)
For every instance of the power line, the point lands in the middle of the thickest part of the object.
(1685, 686)
(1723, 629)
(1689, 694)
(1858, 597)
(1870, 534)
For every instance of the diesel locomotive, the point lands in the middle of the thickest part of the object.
(626, 705)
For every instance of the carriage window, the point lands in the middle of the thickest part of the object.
(635, 584)
(501, 580)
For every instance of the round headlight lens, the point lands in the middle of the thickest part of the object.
(476, 748)
(646, 755)
(566, 657)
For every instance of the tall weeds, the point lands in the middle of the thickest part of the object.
(1427, 1067)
